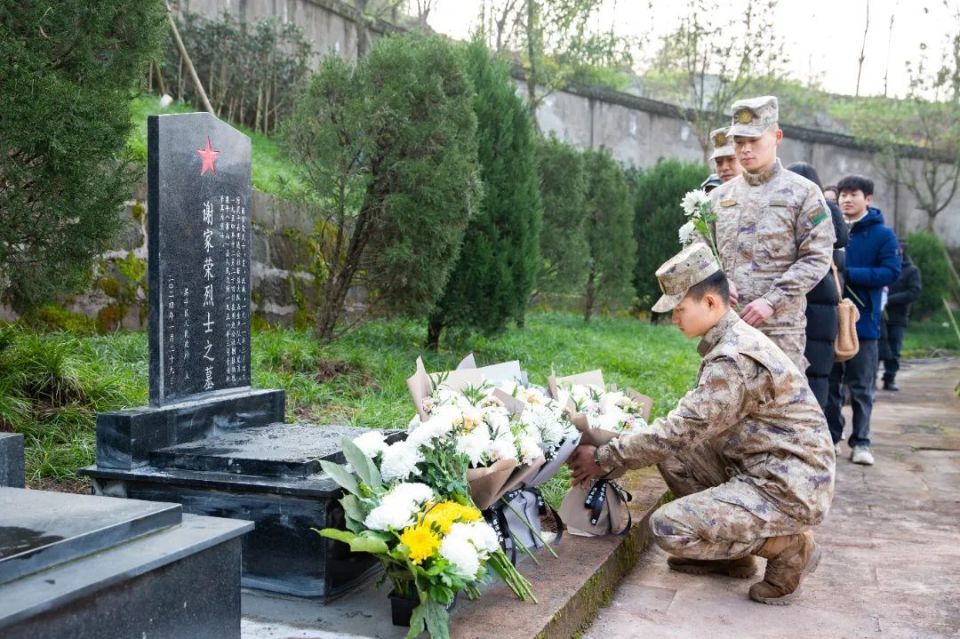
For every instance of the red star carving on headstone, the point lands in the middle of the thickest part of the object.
(208, 156)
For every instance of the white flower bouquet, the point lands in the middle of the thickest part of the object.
(599, 413)
(430, 537)
(701, 216)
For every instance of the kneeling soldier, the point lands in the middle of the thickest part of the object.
(747, 452)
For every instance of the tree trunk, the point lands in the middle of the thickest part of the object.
(532, 49)
(590, 295)
(434, 327)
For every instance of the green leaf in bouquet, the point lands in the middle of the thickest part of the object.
(371, 544)
(341, 475)
(433, 616)
(362, 465)
(441, 594)
(353, 511)
(365, 542)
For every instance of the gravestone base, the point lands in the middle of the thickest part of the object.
(87, 567)
(269, 475)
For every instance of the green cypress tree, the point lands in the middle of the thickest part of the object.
(565, 254)
(608, 223)
(67, 70)
(500, 254)
(658, 218)
(389, 151)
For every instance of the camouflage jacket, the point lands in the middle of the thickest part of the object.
(775, 239)
(755, 409)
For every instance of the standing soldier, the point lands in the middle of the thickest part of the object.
(773, 231)
(723, 155)
(747, 451)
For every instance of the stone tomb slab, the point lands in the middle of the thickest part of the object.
(275, 450)
(40, 529)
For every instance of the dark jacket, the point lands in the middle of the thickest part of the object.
(903, 293)
(873, 261)
(822, 300)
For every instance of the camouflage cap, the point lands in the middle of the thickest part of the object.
(712, 182)
(687, 268)
(752, 118)
(722, 143)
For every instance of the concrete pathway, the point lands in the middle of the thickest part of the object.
(891, 563)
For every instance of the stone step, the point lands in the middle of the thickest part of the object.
(570, 590)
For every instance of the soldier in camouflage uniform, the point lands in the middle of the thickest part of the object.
(773, 231)
(723, 154)
(747, 451)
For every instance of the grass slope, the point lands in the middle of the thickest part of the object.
(272, 173)
(52, 385)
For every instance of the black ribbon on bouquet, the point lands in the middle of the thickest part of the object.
(495, 518)
(544, 508)
(597, 496)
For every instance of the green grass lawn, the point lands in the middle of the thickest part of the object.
(272, 173)
(931, 337)
(52, 385)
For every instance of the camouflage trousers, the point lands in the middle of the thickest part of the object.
(793, 346)
(718, 513)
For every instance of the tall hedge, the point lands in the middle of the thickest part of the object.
(926, 251)
(498, 261)
(657, 199)
(389, 151)
(609, 219)
(67, 70)
(564, 251)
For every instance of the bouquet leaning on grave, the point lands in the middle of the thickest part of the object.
(601, 414)
(408, 504)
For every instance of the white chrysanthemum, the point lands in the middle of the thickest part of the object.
(483, 537)
(399, 507)
(393, 514)
(610, 402)
(692, 202)
(530, 449)
(399, 461)
(497, 419)
(685, 233)
(503, 447)
(609, 421)
(474, 444)
(371, 443)
(459, 551)
(409, 492)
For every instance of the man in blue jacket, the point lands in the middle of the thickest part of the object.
(873, 261)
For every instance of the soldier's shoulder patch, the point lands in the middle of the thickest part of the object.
(727, 203)
(817, 214)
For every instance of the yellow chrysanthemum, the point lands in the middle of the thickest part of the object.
(421, 541)
(445, 514)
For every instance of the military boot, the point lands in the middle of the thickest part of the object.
(742, 568)
(788, 559)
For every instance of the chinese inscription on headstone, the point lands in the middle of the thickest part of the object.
(199, 267)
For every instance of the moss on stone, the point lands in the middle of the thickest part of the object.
(138, 211)
(110, 318)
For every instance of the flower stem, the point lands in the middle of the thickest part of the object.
(530, 527)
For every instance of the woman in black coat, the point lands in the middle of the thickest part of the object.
(822, 301)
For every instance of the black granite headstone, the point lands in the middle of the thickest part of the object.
(199, 256)
(11, 460)
(209, 441)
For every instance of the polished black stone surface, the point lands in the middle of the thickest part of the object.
(198, 182)
(42, 529)
(182, 581)
(276, 450)
(12, 467)
(125, 439)
(282, 554)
